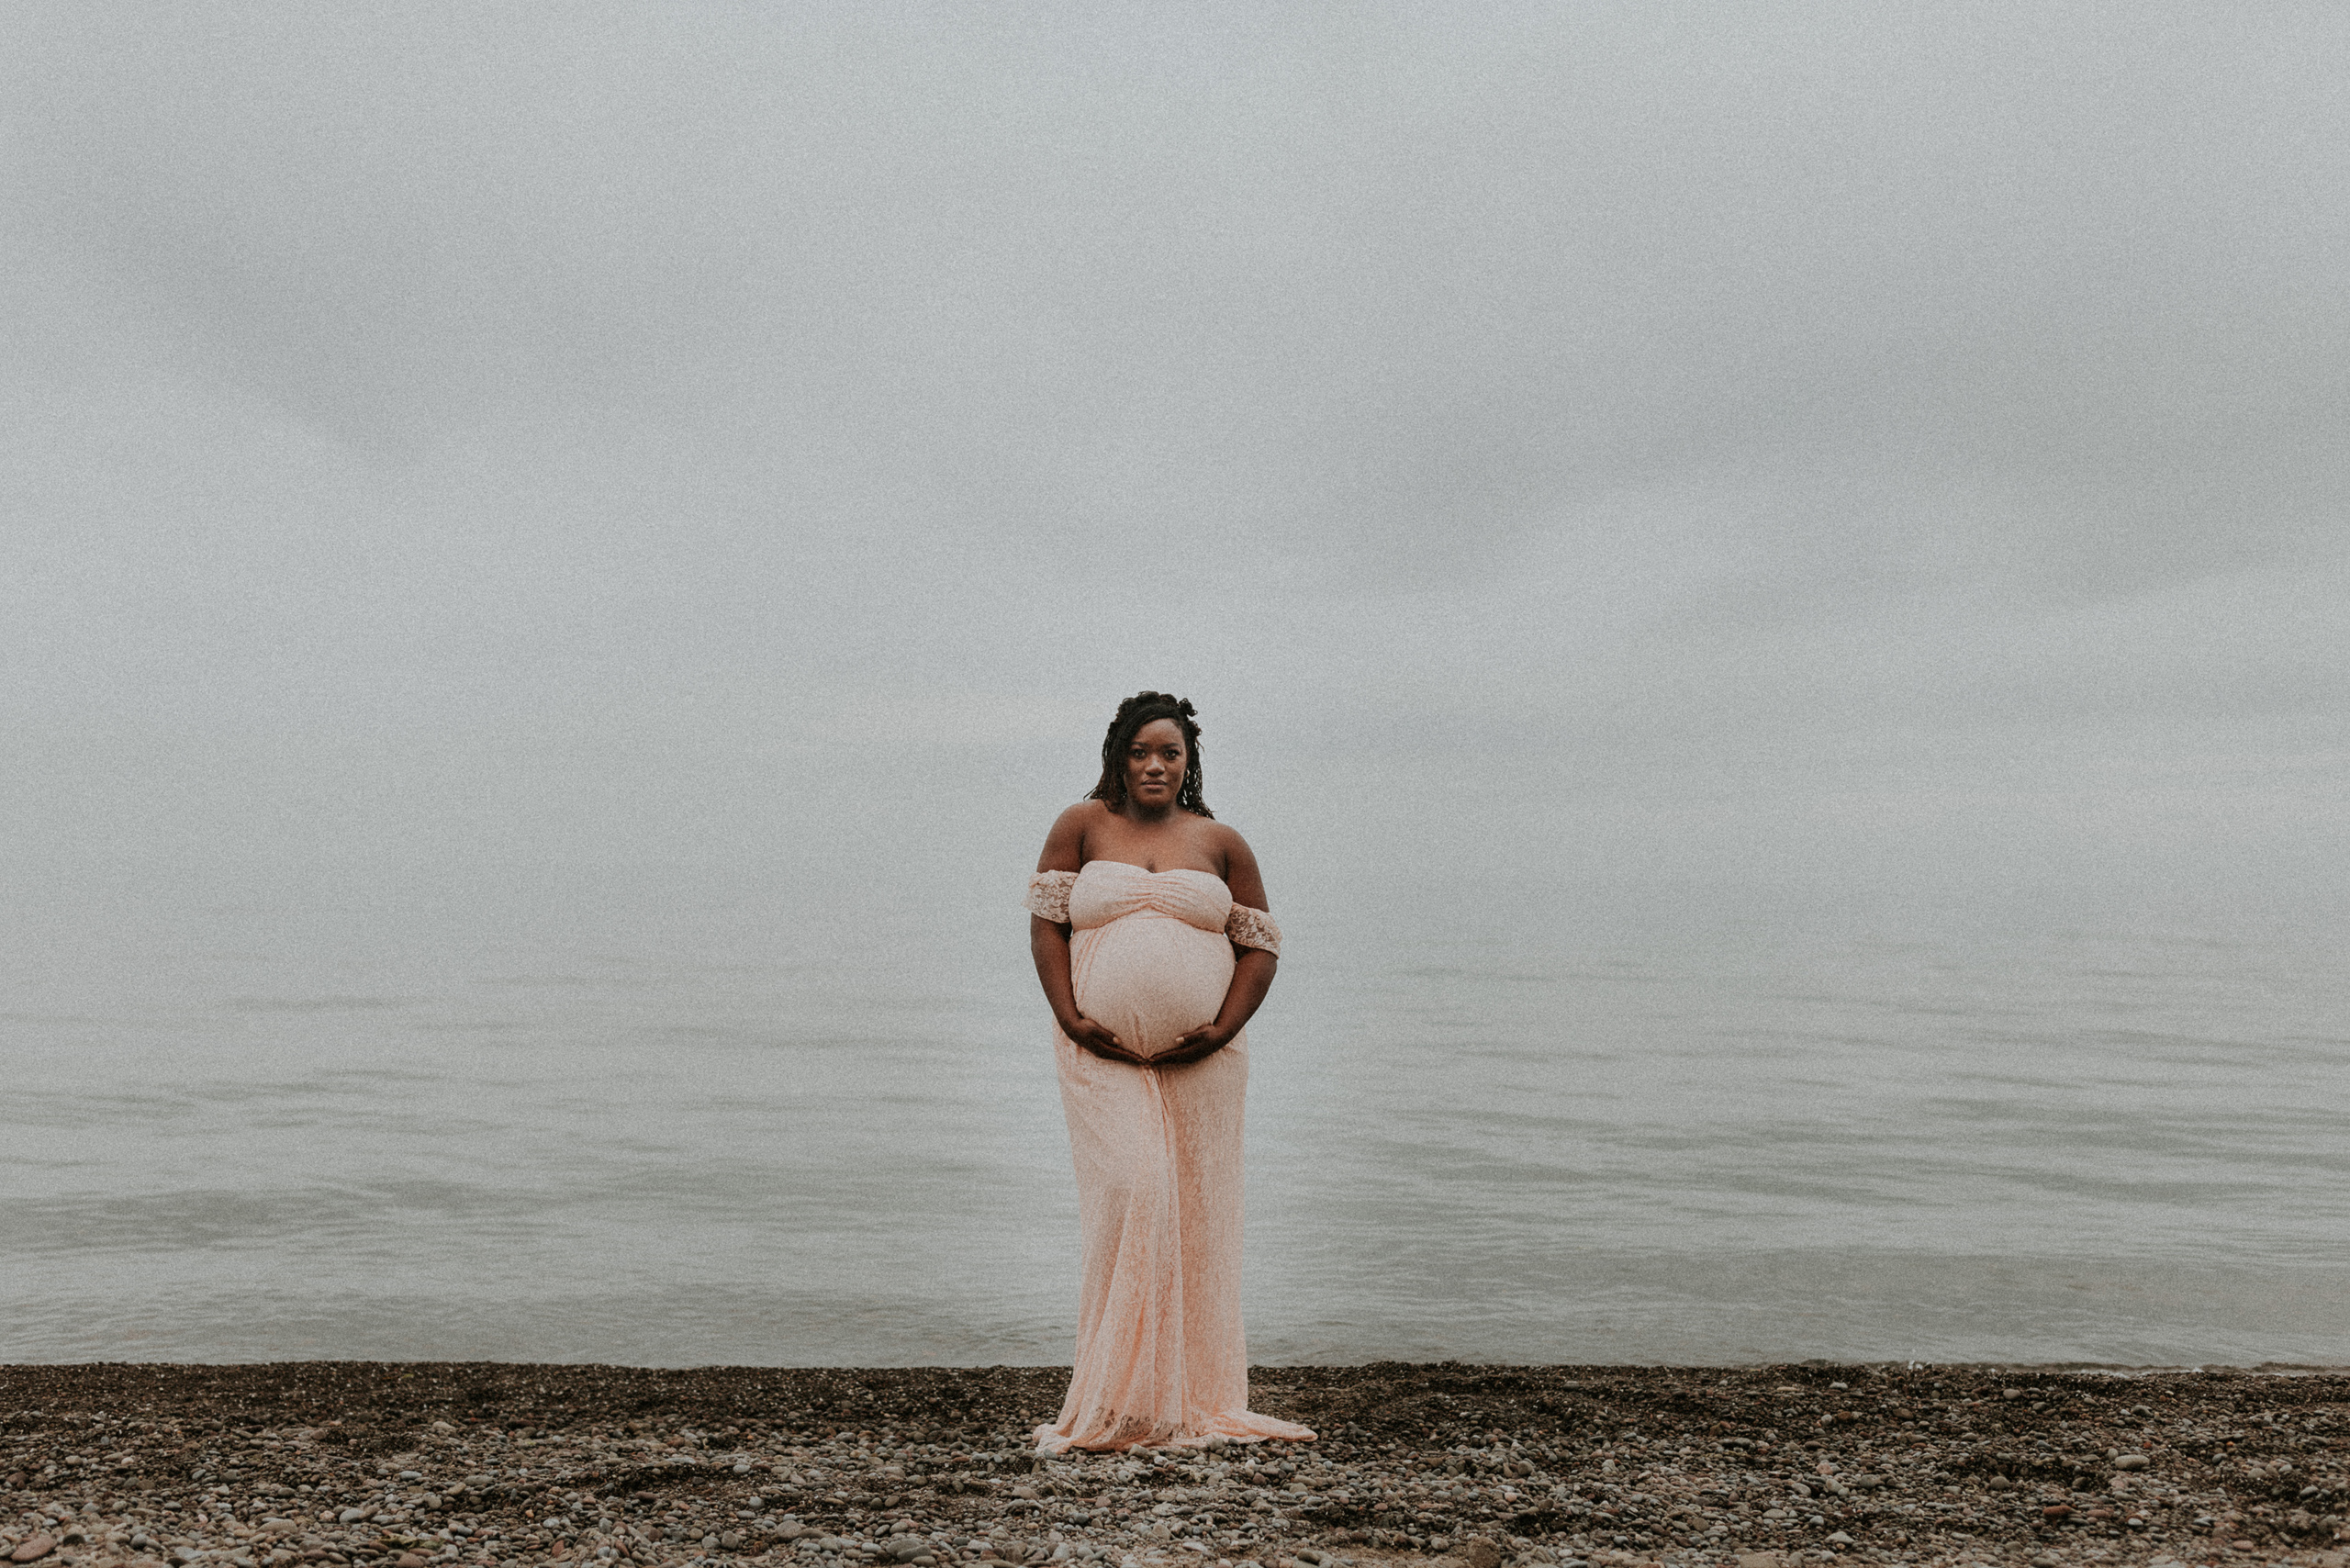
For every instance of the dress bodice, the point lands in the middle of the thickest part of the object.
(1111, 889)
(1104, 890)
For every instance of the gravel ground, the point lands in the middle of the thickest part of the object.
(1479, 1467)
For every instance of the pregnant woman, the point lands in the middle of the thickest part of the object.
(1152, 941)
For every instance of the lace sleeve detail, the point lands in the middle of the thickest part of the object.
(1253, 929)
(1049, 895)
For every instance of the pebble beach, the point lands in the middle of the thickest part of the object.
(398, 1465)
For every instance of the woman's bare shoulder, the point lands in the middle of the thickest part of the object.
(1064, 844)
(1230, 847)
(1224, 835)
(1241, 874)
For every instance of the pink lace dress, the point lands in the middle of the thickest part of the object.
(1161, 1357)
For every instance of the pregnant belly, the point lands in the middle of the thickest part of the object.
(1150, 978)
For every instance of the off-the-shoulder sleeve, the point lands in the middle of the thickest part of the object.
(1049, 895)
(1253, 929)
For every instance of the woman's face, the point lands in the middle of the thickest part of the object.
(1155, 761)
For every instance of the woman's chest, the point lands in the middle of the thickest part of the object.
(1154, 852)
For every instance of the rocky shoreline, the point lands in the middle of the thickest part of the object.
(396, 1465)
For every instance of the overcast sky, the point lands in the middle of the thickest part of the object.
(1870, 446)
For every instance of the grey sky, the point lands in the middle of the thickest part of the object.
(1813, 444)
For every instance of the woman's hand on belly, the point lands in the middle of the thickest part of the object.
(1195, 1045)
(1089, 1035)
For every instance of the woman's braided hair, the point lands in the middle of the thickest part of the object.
(1136, 711)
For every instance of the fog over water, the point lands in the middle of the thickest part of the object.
(1695, 532)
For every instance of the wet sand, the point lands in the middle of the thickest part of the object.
(1477, 1466)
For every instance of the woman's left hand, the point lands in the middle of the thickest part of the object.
(1199, 1042)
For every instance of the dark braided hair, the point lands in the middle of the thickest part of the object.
(1136, 711)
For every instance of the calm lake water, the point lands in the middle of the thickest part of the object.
(592, 1127)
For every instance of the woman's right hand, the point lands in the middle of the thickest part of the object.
(1088, 1035)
